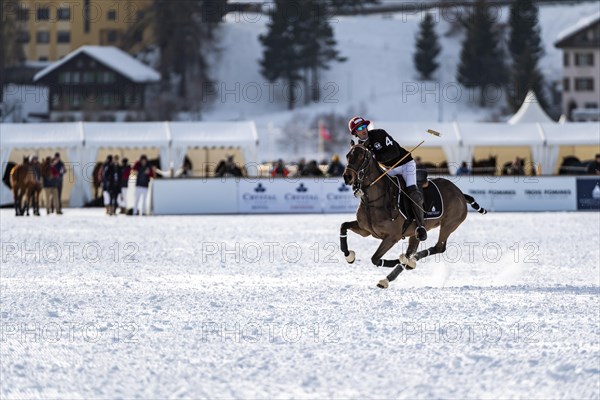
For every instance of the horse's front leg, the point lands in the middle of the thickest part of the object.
(350, 255)
(408, 259)
(385, 245)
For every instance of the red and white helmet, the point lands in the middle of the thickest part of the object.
(357, 121)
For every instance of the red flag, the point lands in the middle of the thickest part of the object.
(324, 132)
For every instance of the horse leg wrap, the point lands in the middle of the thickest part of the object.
(344, 241)
(387, 263)
(394, 274)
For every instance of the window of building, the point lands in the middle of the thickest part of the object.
(23, 14)
(76, 99)
(55, 100)
(106, 99)
(63, 14)
(111, 36)
(566, 86)
(23, 37)
(107, 77)
(63, 37)
(75, 77)
(79, 63)
(42, 37)
(566, 59)
(591, 105)
(43, 13)
(111, 15)
(584, 84)
(43, 58)
(584, 59)
(89, 77)
(64, 77)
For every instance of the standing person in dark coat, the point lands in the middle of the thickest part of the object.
(124, 172)
(105, 173)
(144, 172)
(335, 167)
(59, 167)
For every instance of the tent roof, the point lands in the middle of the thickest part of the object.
(409, 134)
(43, 135)
(213, 133)
(113, 58)
(530, 111)
(500, 134)
(572, 133)
(126, 134)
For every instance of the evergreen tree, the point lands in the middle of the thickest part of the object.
(525, 47)
(318, 45)
(184, 33)
(428, 48)
(282, 55)
(11, 51)
(481, 57)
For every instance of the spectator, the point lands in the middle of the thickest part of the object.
(594, 167)
(104, 173)
(144, 172)
(516, 168)
(124, 173)
(50, 181)
(300, 167)
(110, 184)
(312, 169)
(463, 169)
(280, 170)
(335, 167)
(59, 166)
(184, 171)
(228, 168)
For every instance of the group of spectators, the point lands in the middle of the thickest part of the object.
(310, 169)
(115, 179)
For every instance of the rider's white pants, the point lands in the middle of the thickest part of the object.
(408, 172)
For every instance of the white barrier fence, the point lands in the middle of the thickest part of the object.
(330, 195)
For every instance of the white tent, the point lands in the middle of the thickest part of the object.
(213, 134)
(504, 135)
(43, 136)
(568, 134)
(411, 134)
(530, 111)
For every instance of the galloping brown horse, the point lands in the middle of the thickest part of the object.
(373, 216)
(26, 188)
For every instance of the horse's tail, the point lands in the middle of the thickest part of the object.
(474, 204)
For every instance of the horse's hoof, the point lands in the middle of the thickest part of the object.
(351, 257)
(383, 284)
(409, 263)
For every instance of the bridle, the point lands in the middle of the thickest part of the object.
(360, 172)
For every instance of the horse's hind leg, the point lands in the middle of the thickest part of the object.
(350, 255)
(440, 246)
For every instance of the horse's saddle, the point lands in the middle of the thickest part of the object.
(432, 199)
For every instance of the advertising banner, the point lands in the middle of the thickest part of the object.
(588, 193)
(338, 197)
(280, 196)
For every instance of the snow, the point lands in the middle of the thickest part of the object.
(113, 58)
(510, 311)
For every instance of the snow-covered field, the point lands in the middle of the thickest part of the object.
(263, 306)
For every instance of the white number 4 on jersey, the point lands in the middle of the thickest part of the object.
(388, 141)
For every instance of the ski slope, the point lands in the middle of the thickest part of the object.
(263, 307)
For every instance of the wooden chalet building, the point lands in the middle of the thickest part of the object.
(98, 83)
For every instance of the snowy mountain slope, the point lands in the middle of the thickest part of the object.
(378, 72)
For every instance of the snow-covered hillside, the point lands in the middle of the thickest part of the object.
(378, 78)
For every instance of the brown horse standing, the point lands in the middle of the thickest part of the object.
(26, 188)
(373, 214)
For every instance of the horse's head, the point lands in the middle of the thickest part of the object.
(358, 159)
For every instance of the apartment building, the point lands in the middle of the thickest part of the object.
(52, 29)
(580, 44)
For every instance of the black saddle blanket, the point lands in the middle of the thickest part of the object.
(432, 203)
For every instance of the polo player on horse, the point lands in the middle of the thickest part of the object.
(388, 152)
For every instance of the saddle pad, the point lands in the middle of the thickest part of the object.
(432, 203)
